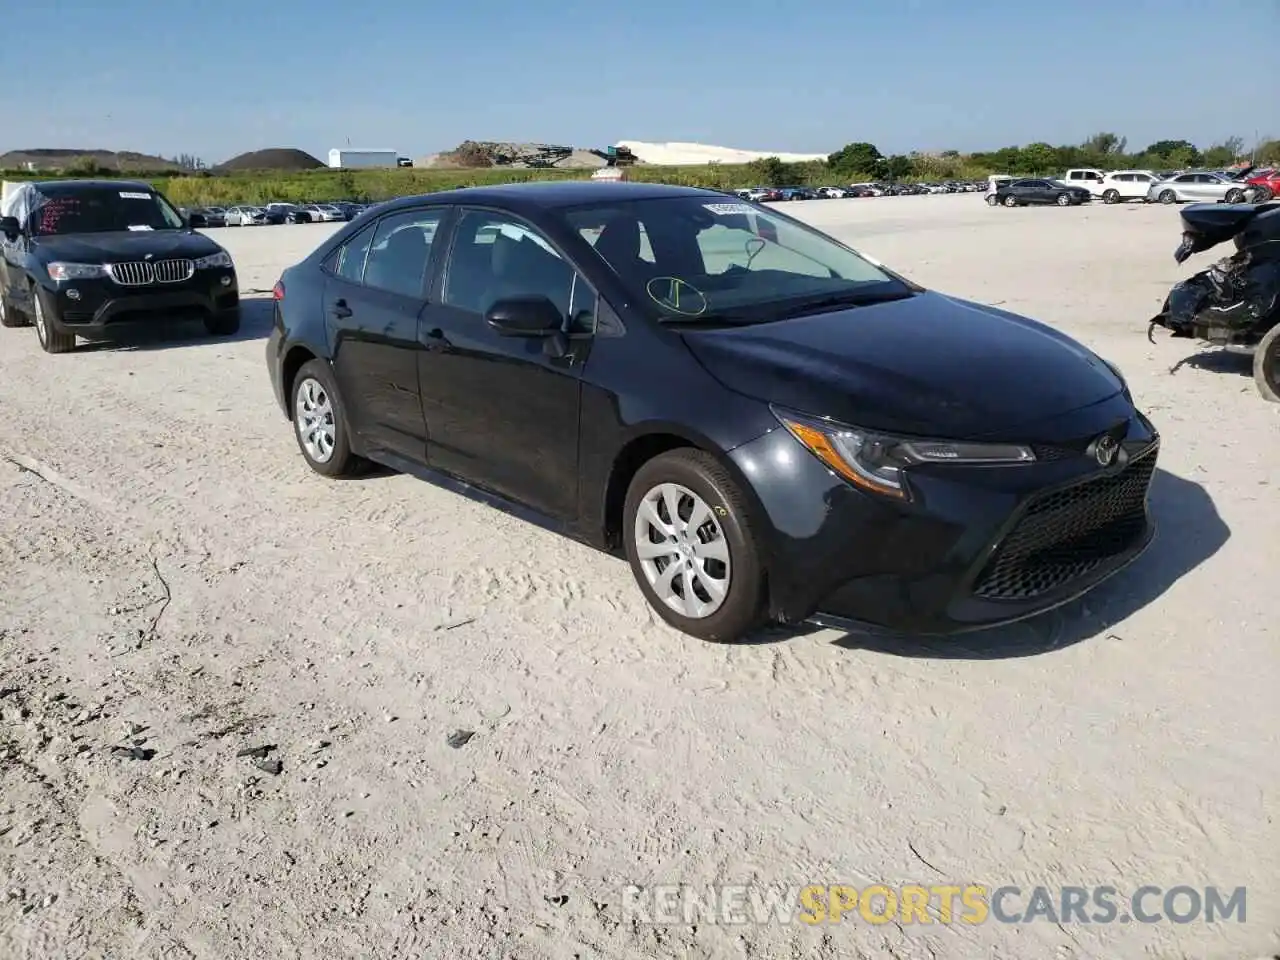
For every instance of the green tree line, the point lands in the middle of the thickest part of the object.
(855, 162)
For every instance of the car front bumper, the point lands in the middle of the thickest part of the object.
(976, 546)
(85, 307)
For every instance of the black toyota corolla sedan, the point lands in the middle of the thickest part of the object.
(769, 425)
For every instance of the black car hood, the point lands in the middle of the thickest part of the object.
(929, 365)
(126, 245)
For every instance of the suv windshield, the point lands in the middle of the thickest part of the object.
(102, 210)
(697, 258)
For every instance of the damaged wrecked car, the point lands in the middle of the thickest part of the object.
(1234, 304)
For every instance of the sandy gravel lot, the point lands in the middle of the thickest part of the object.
(172, 574)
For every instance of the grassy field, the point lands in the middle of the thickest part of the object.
(326, 184)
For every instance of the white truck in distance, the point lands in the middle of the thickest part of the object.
(364, 159)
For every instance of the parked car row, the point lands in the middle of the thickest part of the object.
(252, 215)
(869, 189)
(1149, 186)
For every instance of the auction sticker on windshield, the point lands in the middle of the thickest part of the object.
(134, 195)
(729, 209)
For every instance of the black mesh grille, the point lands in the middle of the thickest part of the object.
(1063, 535)
(1045, 453)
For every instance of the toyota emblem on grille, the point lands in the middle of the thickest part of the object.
(1105, 450)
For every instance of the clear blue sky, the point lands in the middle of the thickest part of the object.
(217, 78)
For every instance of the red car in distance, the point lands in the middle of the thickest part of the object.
(1267, 178)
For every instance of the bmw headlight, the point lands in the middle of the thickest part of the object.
(876, 461)
(59, 271)
(219, 259)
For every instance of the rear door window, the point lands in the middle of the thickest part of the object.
(349, 261)
(401, 248)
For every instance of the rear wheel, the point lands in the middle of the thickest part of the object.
(51, 340)
(1064, 199)
(1010, 201)
(1111, 196)
(993, 200)
(1167, 196)
(319, 422)
(689, 539)
(1235, 196)
(1266, 365)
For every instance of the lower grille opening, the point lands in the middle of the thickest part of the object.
(1064, 535)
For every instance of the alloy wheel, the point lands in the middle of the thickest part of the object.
(42, 328)
(314, 420)
(1064, 200)
(682, 550)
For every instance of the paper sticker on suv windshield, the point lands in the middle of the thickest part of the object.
(140, 226)
(134, 195)
(728, 209)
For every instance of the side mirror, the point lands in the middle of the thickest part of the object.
(525, 317)
(10, 227)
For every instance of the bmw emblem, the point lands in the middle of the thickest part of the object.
(1105, 450)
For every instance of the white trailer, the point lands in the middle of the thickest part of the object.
(355, 159)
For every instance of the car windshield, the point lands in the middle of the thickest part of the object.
(698, 259)
(103, 210)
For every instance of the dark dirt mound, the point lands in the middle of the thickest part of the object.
(279, 158)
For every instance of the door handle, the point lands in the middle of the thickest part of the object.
(340, 309)
(435, 339)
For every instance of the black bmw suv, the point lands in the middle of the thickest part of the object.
(83, 255)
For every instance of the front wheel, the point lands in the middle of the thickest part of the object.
(1235, 195)
(690, 543)
(51, 340)
(1167, 196)
(10, 317)
(319, 422)
(1010, 201)
(223, 324)
(1111, 196)
(993, 200)
(1266, 365)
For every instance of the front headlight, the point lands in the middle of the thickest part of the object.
(219, 259)
(876, 461)
(59, 271)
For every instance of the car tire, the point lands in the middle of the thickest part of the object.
(223, 324)
(1167, 196)
(9, 317)
(1235, 195)
(1111, 196)
(1266, 365)
(50, 340)
(319, 421)
(697, 481)
(1010, 201)
(993, 201)
(1064, 200)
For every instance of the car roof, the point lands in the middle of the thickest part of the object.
(58, 186)
(550, 195)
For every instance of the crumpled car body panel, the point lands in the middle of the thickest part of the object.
(1237, 300)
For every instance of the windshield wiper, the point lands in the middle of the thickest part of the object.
(842, 300)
